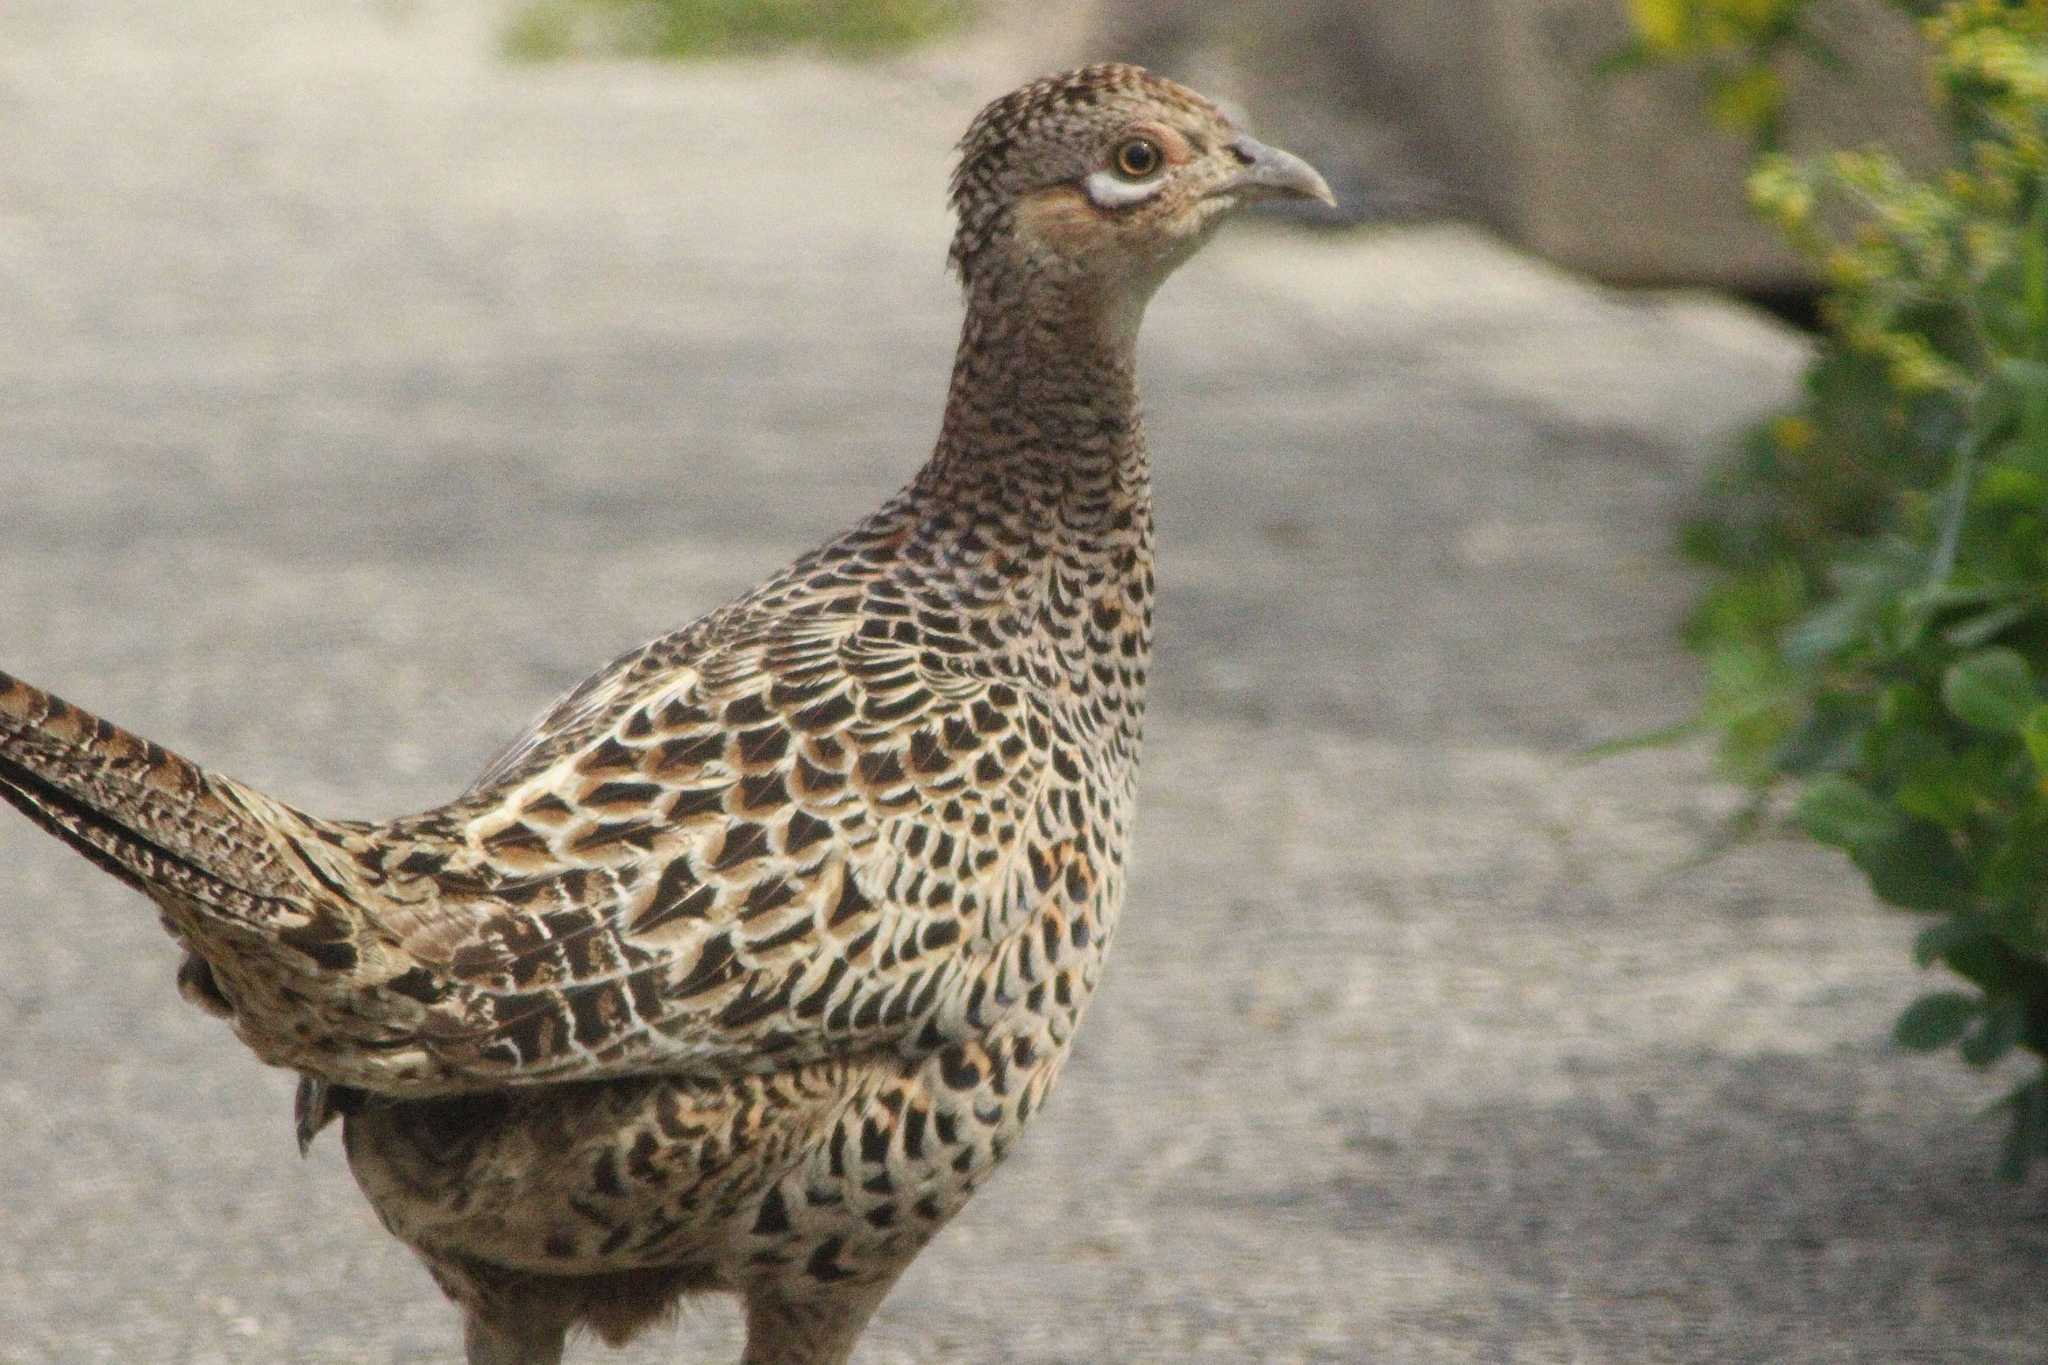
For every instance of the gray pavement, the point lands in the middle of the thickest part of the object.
(357, 392)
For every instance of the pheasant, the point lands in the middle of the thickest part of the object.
(747, 963)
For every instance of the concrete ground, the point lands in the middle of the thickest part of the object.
(357, 392)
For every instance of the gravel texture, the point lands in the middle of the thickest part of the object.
(359, 391)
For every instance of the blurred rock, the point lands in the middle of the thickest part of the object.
(1492, 109)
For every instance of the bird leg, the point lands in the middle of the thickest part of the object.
(810, 1323)
(511, 1338)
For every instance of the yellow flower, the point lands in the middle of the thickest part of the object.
(1914, 365)
(1848, 269)
(1780, 191)
(1985, 245)
(1793, 433)
(1664, 25)
(1748, 100)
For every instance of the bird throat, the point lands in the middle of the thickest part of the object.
(1042, 438)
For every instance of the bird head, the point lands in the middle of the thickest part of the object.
(1108, 177)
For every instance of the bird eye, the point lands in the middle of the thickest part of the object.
(1138, 158)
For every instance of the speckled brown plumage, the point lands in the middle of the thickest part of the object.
(744, 966)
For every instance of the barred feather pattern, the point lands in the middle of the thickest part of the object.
(744, 965)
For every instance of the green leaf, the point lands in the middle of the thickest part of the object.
(1835, 810)
(1992, 689)
(1916, 869)
(2017, 922)
(1952, 511)
(1902, 746)
(2026, 376)
(1986, 626)
(2034, 730)
(1829, 629)
(1995, 1033)
(1939, 790)
(2001, 400)
(2008, 486)
(1934, 1021)
(1903, 707)
(1827, 741)
(2028, 1136)
(1958, 933)
(1992, 967)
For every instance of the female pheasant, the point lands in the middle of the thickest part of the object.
(746, 964)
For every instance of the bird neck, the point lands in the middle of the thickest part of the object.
(1042, 437)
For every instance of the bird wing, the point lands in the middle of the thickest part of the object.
(786, 848)
(764, 841)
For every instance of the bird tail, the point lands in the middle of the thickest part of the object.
(238, 875)
(159, 822)
(280, 932)
(272, 939)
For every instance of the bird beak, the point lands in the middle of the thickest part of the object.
(1270, 173)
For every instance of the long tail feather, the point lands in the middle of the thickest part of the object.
(155, 820)
(272, 940)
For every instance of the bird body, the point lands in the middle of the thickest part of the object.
(746, 964)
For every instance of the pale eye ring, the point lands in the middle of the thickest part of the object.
(1138, 157)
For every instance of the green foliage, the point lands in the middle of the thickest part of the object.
(1876, 637)
(1735, 45)
(1743, 51)
(547, 29)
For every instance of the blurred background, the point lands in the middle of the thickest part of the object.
(1597, 739)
